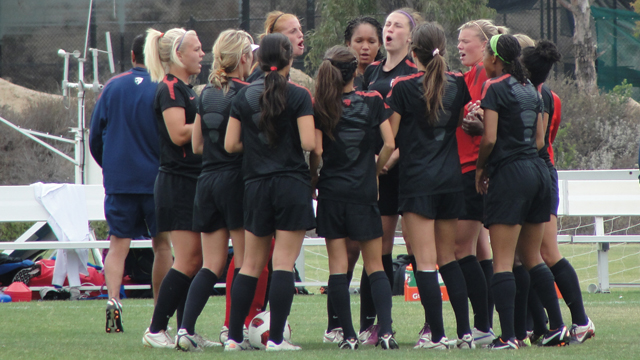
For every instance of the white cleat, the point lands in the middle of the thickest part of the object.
(443, 344)
(580, 334)
(158, 340)
(481, 338)
(466, 342)
(231, 345)
(283, 346)
(334, 336)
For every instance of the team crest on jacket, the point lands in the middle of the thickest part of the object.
(138, 80)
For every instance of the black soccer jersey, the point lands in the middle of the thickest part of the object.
(255, 75)
(349, 166)
(547, 100)
(429, 162)
(381, 81)
(518, 106)
(357, 82)
(179, 160)
(214, 110)
(286, 157)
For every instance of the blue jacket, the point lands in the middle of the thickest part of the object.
(124, 137)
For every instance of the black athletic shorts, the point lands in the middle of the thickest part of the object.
(339, 219)
(555, 192)
(218, 202)
(278, 203)
(518, 192)
(472, 199)
(174, 196)
(130, 215)
(388, 191)
(438, 206)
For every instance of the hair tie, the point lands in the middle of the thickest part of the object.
(273, 26)
(480, 27)
(274, 68)
(413, 23)
(435, 52)
(494, 44)
(161, 34)
(182, 39)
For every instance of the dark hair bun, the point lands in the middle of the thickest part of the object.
(548, 51)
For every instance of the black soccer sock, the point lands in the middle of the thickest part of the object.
(367, 307)
(457, 290)
(520, 306)
(487, 269)
(341, 301)
(381, 291)
(280, 299)
(174, 287)
(199, 293)
(542, 281)
(569, 286)
(477, 291)
(332, 315)
(181, 306)
(538, 314)
(236, 271)
(431, 299)
(503, 286)
(387, 264)
(242, 293)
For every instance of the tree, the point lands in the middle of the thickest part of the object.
(584, 45)
(336, 13)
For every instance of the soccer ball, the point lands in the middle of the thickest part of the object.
(259, 330)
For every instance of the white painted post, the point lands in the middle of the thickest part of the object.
(603, 258)
(300, 264)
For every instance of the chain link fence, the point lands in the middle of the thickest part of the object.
(31, 32)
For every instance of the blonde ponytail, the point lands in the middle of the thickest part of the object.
(227, 53)
(160, 51)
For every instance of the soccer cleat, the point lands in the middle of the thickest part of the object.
(348, 344)
(580, 334)
(369, 336)
(481, 338)
(232, 345)
(536, 339)
(224, 334)
(334, 336)
(387, 342)
(114, 316)
(186, 342)
(500, 344)
(205, 343)
(158, 340)
(423, 336)
(523, 343)
(557, 337)
(426, 343)
(283, 346)
(466, 342)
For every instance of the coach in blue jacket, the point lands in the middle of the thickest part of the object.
(124, 142)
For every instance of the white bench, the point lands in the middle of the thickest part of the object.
(596, 193)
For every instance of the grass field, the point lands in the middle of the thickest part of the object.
(75, 330)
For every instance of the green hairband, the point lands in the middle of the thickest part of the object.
(494, 42)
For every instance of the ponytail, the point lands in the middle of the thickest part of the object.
(151, 55)
(429, 46)
(507, 50)
(336, 70)
(160, 51)
(433, 84)
(227, 54)
(275, 53)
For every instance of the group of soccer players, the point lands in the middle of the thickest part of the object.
(387, 136)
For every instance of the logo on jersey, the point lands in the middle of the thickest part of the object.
(391, 83)
(139, 80)
(191, 97)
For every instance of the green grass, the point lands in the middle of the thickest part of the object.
(624, 262)
(75, 330)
